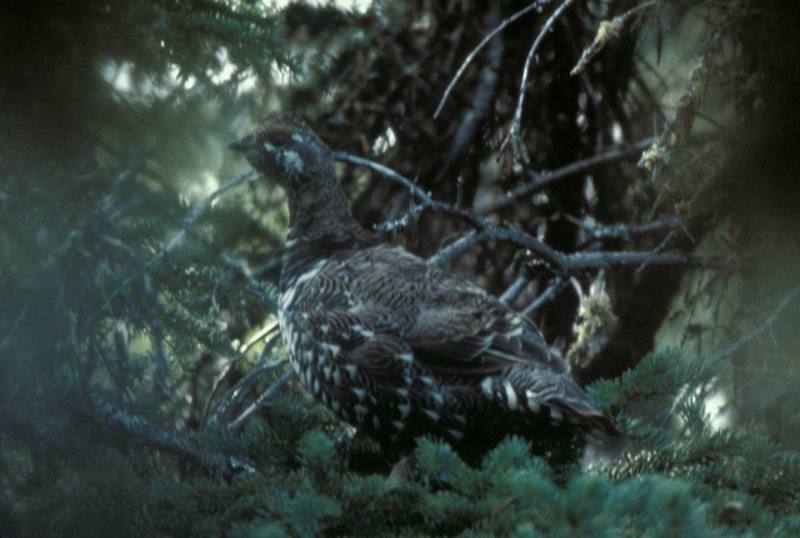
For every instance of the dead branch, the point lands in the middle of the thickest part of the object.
(626, 231)
(515, 288)
(472, 118)
(269, 337)
(543, 180)
(476, 50)
(765, 326)
(607, 31)
(516, 145)
(558, 261)
(549, 292)
(265, 396)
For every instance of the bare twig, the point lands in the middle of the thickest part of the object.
(481, 102)
(560, 262)
(262, 335)
(766, 326)
(515, 288)
(239, 390)
(237, 393)
(540, 181)
(428, 203)
(386, 171)
(198, 211)
(485, 231)
(596, 260)
(273, 262)
(400, 222)
(607, 31)
(476, 50)
(626, 231)
(660, 247)
(545, 296)
(265, 396)
(457, 247)
(6, 341)
(516, 146)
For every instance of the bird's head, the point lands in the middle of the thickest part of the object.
(286, 149)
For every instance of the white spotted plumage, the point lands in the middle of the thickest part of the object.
(392, 344)
(511, 396)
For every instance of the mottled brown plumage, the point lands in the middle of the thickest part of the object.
(393, 345)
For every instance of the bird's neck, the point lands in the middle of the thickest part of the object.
(319, 227)
(303, 253)
(322, 212)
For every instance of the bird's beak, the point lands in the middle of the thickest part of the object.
(243, 145)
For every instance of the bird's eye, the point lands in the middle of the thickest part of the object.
(281, 140)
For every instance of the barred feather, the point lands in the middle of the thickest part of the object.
(394, 346)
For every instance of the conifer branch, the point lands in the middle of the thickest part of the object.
(178, 238)
(141, 430)
(198, 211)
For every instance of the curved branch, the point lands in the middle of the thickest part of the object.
(540, 181)
(515, 125)
(476, 50)
(484, 231)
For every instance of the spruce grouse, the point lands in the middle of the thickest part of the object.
(394, 346)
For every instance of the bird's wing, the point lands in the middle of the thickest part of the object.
(395, 317)
(466, 336)
(453, 326)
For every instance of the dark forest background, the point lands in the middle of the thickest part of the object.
(624, 172)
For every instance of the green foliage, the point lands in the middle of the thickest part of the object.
(522, 499)
(681, 476)
(694, 482)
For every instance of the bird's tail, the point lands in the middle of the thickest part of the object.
(567, 401)
(594, 421)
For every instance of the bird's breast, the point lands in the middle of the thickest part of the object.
(319, 366)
